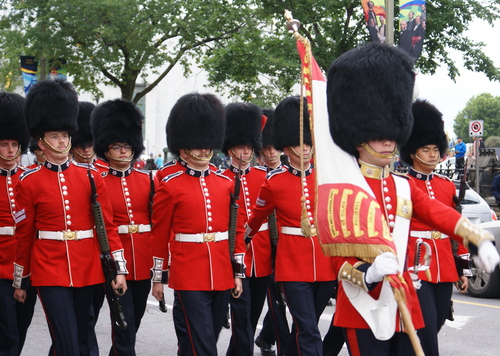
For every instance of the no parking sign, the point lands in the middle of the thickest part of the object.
(476, 128)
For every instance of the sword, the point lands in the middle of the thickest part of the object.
(421, 267)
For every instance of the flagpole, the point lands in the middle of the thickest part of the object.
(389, 23)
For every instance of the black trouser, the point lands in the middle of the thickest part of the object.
(362, 342)
(97, 301)
(275, 325)
(198, 319)
(245, 313)
(333, 340)
(133, 304)
(435, 300)
(67, 310)
(306, 302)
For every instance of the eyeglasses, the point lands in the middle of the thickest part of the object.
(118, 148)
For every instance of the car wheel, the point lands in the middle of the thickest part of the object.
(484, 285)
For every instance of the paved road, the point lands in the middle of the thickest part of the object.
(473, 333)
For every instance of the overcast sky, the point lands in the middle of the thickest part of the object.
(451, 97)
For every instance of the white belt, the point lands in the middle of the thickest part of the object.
(429, 235)
(202, 237)
(66, 235)
(132, 229)
(297, 231)
(7, 230)
(264, 227)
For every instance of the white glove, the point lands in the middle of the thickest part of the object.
(487, 256)
(384, 264)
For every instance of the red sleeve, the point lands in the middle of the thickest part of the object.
(163, 208)
(25, 226)
(115, 243)
(263, 207)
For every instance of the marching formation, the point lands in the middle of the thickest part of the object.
(82, 225)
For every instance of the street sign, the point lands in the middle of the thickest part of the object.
(476, 128)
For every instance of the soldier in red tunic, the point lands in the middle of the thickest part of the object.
(55, 228)
(369, 105)
(275, 325)
(423, 151)
(190, 236)
(117, 129)
(39, 157)
(305, 273)
(242, 142)
(15, 317)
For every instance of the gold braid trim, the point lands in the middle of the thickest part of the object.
(471, 233)
(363, 251)
(354, 276)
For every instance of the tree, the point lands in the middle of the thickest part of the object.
(492, 141)
(120, 42)
(242, 44)
(484, 107)
(334, 27)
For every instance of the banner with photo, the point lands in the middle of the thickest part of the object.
(57, 68)
(412, 25)
(375, 19)
(29, 67)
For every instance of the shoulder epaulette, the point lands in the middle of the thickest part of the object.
(404, 175)
(172, 176)
(85, 166)
(23, 168)
(220, 174)
(442, 176)
(29, 172)
(141, 171)
(276, 172)
(260, 168)
(168, 164)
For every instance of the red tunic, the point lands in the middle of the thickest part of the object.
(57, 198)
(8, 182)
(129, 192)
(442, 263)
(432, 212)
(298, 258)
(194, 202)
(258, 254)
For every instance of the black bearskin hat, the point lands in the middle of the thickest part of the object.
(12, 120)
(83, 137)
(243, 126)
(286, 127)
(428, 129)
(370, 91)
(117, 121)
(51, 105)
(267, 132)
(196, 121)
(33, 145)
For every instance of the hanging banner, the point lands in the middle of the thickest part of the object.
(412, 25)
(28, 68)
(57, 68)
(375, 19)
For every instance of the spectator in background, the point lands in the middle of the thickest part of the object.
(159, 161)
(460, 150)
(495, 189)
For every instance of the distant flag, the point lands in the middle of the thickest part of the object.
(412, 26)
(57, 68)
(28, 68)
(375, 19)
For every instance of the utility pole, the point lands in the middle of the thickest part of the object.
(389, 23)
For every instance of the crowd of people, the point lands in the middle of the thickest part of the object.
(82, 225)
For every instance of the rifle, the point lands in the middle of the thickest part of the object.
(273, 232)
(463, 182)
(109, 265)
(238, 266)
(161, 304)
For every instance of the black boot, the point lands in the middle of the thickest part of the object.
(265, 348)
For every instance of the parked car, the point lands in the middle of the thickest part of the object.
(474, 207)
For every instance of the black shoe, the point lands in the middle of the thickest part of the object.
(265, 348)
